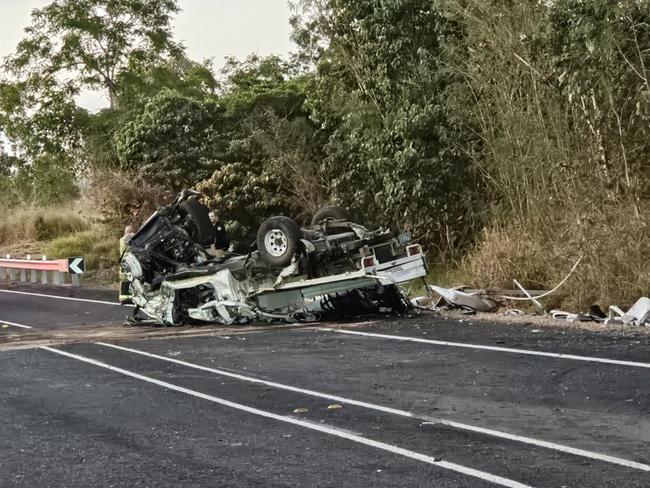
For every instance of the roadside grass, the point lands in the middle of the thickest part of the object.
(62, 231)
(34, 224)
(615, 265)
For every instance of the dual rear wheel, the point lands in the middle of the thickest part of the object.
(278, 238)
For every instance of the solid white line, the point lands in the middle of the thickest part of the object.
(490, 348)
(15, 324)
(394, 411)
(498, 480)
(56, 297)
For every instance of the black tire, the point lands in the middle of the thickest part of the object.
(278, 239)
(329, 213)
(202, 231)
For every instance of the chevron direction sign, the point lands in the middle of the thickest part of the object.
(76, 265)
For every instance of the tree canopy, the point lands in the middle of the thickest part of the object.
(91, 43)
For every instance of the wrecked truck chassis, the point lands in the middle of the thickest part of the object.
(291, 273)
(304, 300)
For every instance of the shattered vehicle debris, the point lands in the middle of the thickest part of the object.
(332, 267)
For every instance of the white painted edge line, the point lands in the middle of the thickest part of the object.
(394, 411)
(15, 324)
(498, 480)
(489, 348)
(56, 297)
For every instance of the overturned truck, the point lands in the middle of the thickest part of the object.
(331, 268)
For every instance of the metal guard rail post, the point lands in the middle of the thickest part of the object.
(13, 268)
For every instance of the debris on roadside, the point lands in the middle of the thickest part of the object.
(486, 302)
(477, 301)
(580, 317)
(595, 314)
(638, 314)
(422, 302)
(514, 311)
(467, 301)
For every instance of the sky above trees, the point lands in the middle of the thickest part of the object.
(207, 28)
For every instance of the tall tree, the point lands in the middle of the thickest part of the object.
(175, 140)
(72, 45)
(383, 92)
(91, 43)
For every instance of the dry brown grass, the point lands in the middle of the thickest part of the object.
(59, 232)
(122, 198)
(561, 182)
(615, 268)
(33, 224)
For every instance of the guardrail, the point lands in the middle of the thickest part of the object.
(16, 270)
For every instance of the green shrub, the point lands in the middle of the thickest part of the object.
(99, 246)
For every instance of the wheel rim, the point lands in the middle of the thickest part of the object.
(276, 242)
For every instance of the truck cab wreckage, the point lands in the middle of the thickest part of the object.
(331, 268)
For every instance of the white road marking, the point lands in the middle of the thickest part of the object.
(403, 413)
(498, 480)
(56, 297)
(15, 324)
(490, 348)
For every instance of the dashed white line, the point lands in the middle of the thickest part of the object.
(15, 324)
(403, 413)
(475, 473)
(490, 348)
(56, 297)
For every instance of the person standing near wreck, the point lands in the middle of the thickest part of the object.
(125, 295)
(221, 240)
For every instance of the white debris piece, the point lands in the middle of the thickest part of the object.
(462, 299)
(639, 314)
(562, 315)
(423, 301)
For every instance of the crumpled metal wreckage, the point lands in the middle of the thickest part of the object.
(482, 301)
(330, 268)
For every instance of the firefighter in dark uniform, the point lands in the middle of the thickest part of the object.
(221, 241)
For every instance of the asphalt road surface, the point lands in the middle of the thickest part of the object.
(408, 402)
